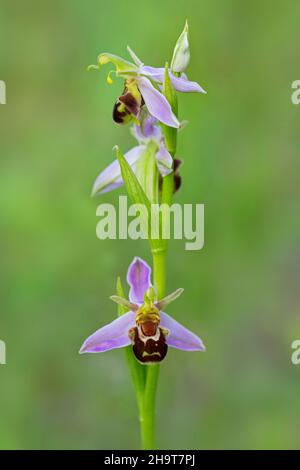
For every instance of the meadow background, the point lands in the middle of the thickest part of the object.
(241, 159)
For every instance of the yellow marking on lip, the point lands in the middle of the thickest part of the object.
(144, 315)
(151, 354)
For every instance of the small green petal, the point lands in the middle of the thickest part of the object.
(122, 66)
(124, 303)
(134, 57)
(161, 304)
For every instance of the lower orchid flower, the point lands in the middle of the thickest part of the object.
(148, 131)
(145, 326)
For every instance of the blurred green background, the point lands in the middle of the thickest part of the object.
(241, 159)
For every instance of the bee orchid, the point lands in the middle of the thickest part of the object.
(149, 330)
(142, 86)
(148, 131)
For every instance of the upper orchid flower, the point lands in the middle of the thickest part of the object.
(145, 326)
(148, 131)
(139, 89)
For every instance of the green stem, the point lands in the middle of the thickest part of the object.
(168, 186)
(147, 409)
(147, 403)
(159, 273)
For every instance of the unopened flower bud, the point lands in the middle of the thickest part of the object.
(181, 54)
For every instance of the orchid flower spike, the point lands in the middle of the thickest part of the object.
(148, 131)
(142, 87)
(149, 330)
